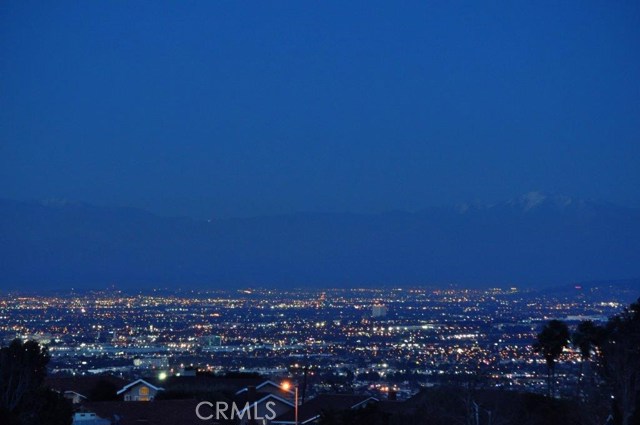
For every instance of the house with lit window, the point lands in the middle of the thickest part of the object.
(139, 390)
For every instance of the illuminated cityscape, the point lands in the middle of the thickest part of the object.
(427, 336)
(319, 213)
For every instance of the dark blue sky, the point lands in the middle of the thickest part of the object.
(243, 108)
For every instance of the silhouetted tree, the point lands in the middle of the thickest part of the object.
(45, 406)
(621, 363)
(553, 338)
(23, 398)
(585, 338)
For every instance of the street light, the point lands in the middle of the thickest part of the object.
(286, 385)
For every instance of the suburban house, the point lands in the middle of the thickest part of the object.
(139, 390)
(269, 387)
(310, 412)
(250, 400)
(89, 418)
(78, 389)
(263, 406)
(200, 384)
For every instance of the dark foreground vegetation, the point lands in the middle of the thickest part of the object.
(24, 399)
(456, 405)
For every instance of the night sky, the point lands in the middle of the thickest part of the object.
(248, 108)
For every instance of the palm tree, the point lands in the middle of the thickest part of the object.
(585, 338)
(553, 338)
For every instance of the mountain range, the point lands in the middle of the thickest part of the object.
(533, 240)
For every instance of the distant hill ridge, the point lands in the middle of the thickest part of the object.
(536, 239)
